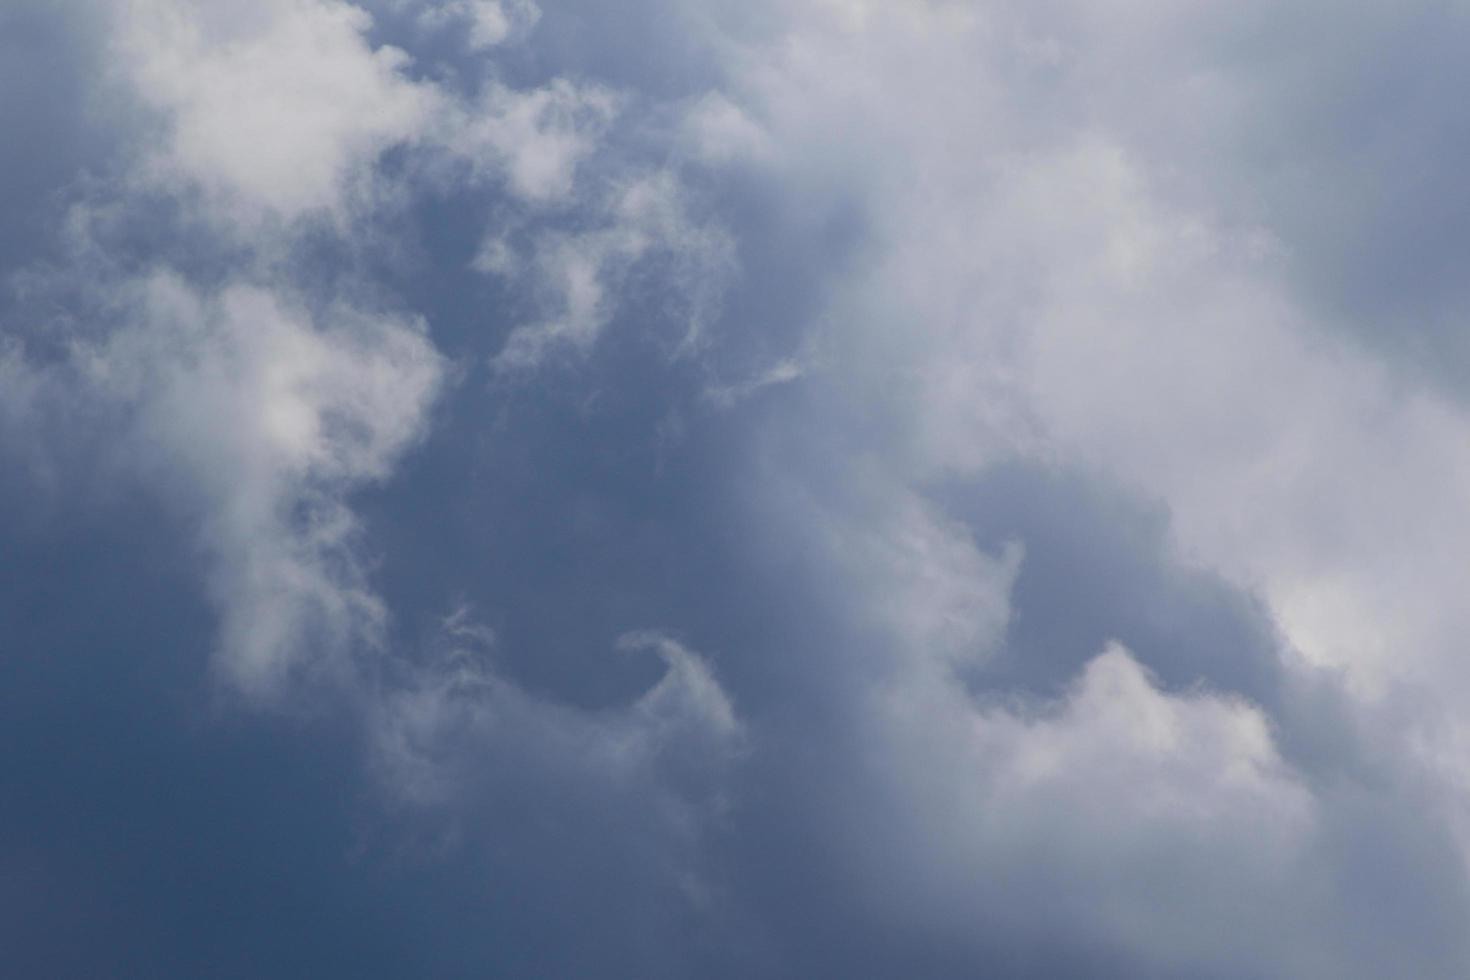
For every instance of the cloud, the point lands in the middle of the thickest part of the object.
(1047, 291)
(279, 111)
(1121, 804)
(783, 372)
(1046, 288)
(1056, 560)
(270, 396)
(637, 790)
(642, 224)
(490, 22)
(533, 139)
(929, 586)
(261, 417)
(459, 712)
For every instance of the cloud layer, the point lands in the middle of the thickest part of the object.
(711, 489)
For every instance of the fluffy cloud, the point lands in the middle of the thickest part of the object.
(279, 109)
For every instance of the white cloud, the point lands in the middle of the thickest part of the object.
(1198, 759)
(262, 417)
(1059, 265)
(489, 22)
(580, 277)
(258, 403)
(532, 139)
(1160, 824)
(922, 579)
(1048, 277)
(783, 372)
(272, 109)
(719, 131)
(282, 110)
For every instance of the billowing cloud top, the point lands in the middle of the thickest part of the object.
(704, 489)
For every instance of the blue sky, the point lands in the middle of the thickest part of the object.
(494, 488)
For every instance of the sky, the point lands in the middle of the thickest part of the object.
(696, 488)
